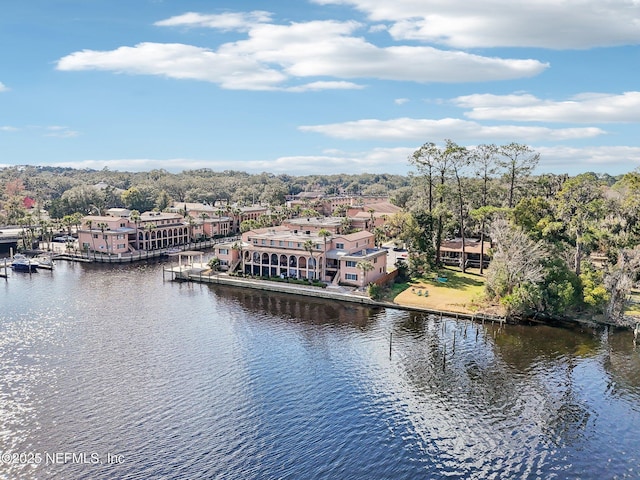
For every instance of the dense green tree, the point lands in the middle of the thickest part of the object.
(141, 198)
(579, 204)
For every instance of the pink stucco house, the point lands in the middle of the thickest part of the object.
(285, 252)
(118, 234)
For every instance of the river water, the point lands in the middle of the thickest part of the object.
(111, 372)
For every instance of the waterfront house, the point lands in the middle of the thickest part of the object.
(285, 252)
(117, 234)
(105, 234)
(451, 252)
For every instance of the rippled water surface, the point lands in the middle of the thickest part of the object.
(115, 373)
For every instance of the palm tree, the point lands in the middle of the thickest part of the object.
(67, 221)
(238, 247)
(191, 222)
(365, 266)
(22, 221)
(236, 218)
(372, 217)
(379, 235)
(345, 225)
(134, 216)
(219, 212)
(308, 246)
(45, 228)
(148, 228)
(214, 263)
(325, 234)
(103, 226)
(89, 224)
(203, 216)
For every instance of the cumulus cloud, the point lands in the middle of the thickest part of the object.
(419, 129)
(7, 128)
(273, 56)
(586, 107)
(238, 21)
(570, 24)
(178, 61)
(3, 87)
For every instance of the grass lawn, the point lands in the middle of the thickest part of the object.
(633, 308)
(461, 292)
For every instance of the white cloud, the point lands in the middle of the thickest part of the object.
(379, 160)
(419, 129)
(504, 23)
(3, 87)
(60, 132)
(587, 107)
(605, 159)
(401, 101)
(178, 61)
(239, 21)
(316, 86)
(273, 57)
(8, 128)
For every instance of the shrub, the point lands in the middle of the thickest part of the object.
(374, 291)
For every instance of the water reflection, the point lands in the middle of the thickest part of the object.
(489, 400)
(191, 381)
(293, 308)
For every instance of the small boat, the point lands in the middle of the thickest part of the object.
(22, 263)
(45, 260)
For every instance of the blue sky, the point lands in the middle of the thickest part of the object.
(316, 86)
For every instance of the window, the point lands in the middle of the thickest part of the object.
(340, 246)
(290, 244)
(350, 276)
(375, 260)
(223, 251)
(272, 242)
(121, 246)
(351, 263)
(122, 225)
(263, 242)
(95, 235)
(281, 243)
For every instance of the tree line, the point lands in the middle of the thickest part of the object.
(549, 232)
(560, 244)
